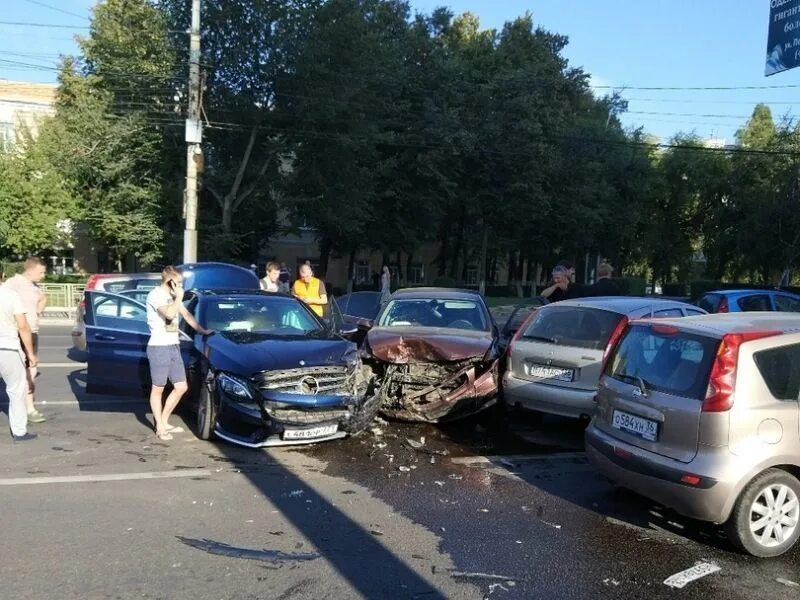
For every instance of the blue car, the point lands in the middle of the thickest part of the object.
(272, 374)
(725, 301)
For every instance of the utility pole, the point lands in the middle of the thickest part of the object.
(194, 137)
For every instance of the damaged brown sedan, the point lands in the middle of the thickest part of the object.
(435, 353)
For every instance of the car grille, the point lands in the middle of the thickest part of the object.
(307, 417)
(308, 381)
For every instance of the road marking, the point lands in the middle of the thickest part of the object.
(54, 365)
(683, 578)
(108, 477)
(515, 458)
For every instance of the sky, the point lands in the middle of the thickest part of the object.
(624, 44)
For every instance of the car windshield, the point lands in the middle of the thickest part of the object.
(673, 362)
(272, 315)
(575, 326)
(428, 312)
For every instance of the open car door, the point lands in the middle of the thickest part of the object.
(116, 339)
(515, 320)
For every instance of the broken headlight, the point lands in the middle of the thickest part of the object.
(234, 388)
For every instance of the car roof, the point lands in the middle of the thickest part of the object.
(438, 293)
(721, 324)
(235, 292)
(743, 291)
(624, 304)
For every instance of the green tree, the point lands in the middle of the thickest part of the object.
(36, 202)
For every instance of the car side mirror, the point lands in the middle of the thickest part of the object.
(365, 324)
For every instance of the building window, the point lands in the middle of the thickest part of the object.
(7, 137)
(417, 274)
(471, 275)
(361, 273)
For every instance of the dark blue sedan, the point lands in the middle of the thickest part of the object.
(272, 374)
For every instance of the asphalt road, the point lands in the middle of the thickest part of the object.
(97, 507)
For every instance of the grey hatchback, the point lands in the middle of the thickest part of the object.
(555, 360)
(702, 416)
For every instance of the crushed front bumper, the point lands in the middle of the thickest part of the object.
(265, 422)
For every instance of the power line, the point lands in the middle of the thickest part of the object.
(51, 25)
(55, 8)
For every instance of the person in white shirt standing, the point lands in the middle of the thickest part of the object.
(14, 328)
(164, 310)
(271, 283)
(34, 302)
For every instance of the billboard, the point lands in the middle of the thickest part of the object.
(783, 39)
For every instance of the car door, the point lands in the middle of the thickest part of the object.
(116, 336)
(755, 303)
(515, 320)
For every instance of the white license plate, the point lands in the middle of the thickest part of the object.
(309, 434)
(546, 372)
(644, 428)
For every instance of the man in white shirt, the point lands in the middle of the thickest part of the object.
(14, 328)
(164, 309)
(34, 302)
(270, 282)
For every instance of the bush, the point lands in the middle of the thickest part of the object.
(11, 268)
(674, 289)
(631, 286)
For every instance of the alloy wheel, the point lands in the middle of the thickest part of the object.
(774, 515)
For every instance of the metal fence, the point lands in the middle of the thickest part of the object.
(63, 295)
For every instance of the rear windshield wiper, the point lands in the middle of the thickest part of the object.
(639, 382)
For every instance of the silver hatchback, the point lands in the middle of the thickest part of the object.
(703, 416)
(555, 360)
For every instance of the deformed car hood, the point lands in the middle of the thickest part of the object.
(425, 344)
(246, 354)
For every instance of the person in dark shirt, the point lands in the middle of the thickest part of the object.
(562, 288)
(604, 286)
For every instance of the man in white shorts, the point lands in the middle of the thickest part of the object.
(14, 328)
(164, 309)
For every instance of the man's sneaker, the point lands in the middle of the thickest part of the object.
(36, 417)
(24, 438)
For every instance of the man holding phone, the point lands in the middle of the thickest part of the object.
(164, 310)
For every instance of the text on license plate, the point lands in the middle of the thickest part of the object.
(644, 428)
(309, 434)
(547, 372)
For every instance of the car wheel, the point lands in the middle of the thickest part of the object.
(206, 413)
(766, 518)
(364, 415)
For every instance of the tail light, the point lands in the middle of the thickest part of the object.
(612, 341)
(722, 382)
(723, 305)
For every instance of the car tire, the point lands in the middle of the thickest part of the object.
(206, 413)
(364, 415)
(782, 490)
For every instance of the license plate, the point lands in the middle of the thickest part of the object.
(309, 434)
(547, 372)
(644, 428)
